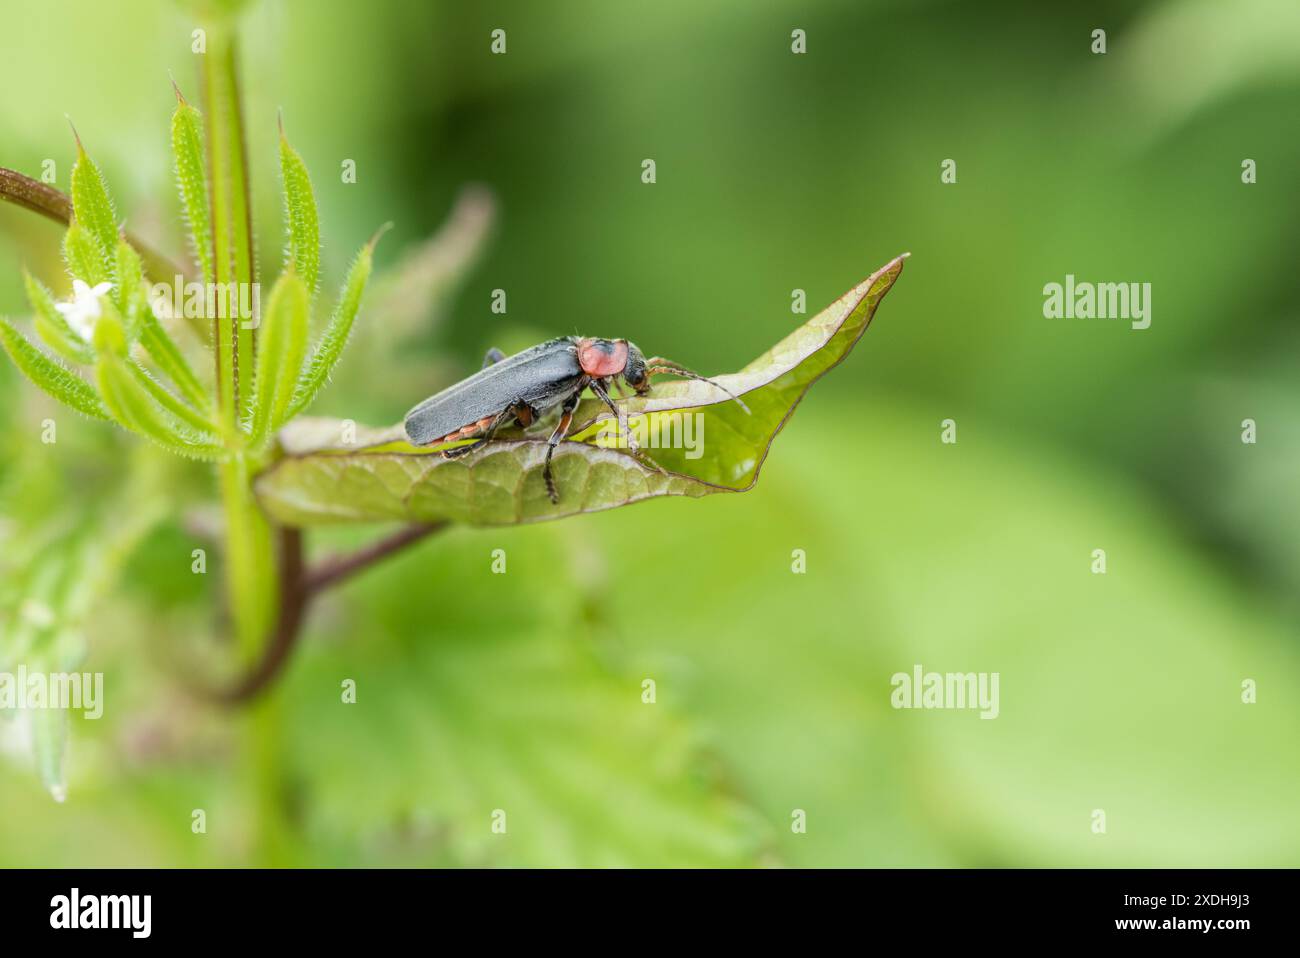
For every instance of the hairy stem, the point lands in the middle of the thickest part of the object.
(256, 591)
(298, 586)
(293, 602)
(232, 239)
(251, 576)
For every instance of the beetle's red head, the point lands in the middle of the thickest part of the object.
(602, 358)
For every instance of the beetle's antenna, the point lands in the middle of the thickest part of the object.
(664, 366)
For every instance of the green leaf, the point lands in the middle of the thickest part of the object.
(279, 358)
(92, 206)
(502, 483)
(192, 179)
(51, 325)
(129, 293)
(110, 332)
(50, 375)
(164, 397)
(133, 404)
(170, 359)
(330, 348)
(86, 261)
(300, 212)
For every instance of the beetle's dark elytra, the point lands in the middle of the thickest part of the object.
(540, 377)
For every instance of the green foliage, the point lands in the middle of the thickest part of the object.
(51, 325)
(171, 403)
(85, 259)
(192, 180)
(330, 348)
(135, 404)
(164, 351)
(502, 483)
(228, 189)
(279, 360)
(129, 293)
(109, 334)
(93, 208)
(49, 374)
(179, 418)
(300, 213)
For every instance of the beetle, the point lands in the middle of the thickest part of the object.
(524, 387)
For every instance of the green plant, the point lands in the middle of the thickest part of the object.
(114, 354)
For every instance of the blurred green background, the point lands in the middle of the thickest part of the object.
(775, 171)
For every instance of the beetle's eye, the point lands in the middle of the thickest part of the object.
(634, 373)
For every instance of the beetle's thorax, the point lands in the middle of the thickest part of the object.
(600, 358)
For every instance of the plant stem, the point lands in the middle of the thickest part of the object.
(251, 577)
(298, 586)
(232, 242)
(293, 601)
(273, 835)
(254, 587)
(250, 572)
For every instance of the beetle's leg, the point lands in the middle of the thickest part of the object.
(524, 414)
(494, 355)
(637, 453)
(603, 395)
(561, 430)
(644, 459)
(458, 451)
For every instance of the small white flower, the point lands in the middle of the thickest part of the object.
(82, 312)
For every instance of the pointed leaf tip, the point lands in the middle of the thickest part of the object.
(92, 205)
(302, 218)
(330, 348)
(81, 151)
(192, 178)
(378, 235)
